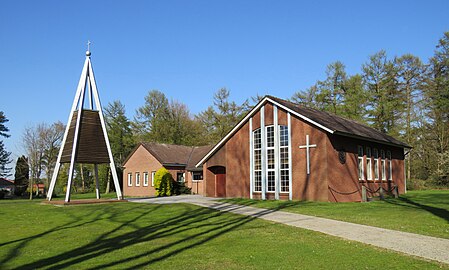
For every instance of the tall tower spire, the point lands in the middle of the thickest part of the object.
(85, 139)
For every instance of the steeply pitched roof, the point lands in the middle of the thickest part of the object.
(328, 122)
(175, 155)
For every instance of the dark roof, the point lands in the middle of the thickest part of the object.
(197, 154)
(340, 125)
(6, 183)
(329, 122)
(177, 155)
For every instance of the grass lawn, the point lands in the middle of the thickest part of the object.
(423, 212)
(130, 236)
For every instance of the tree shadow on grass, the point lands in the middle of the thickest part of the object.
(436, 211)
(184, 231)
(95, 215)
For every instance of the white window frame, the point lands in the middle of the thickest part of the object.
(285, 170)
(130, 179)
(145, 179)
(273, 169)
(257, 171)
(383, 165)
(390, 166)
(137, 179)
(360, 163)
(376, 163)
(153, 173)
(197, 180)
(369, 164)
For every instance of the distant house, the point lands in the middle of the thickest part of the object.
(6, 187)
(281, 150)
(143, 162)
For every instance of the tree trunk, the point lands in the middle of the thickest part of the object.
(82, 178)
(31, 188)
(108, 182)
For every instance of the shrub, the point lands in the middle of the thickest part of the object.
(163, 183)
(180, 188)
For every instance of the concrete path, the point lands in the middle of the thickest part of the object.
(427, 247)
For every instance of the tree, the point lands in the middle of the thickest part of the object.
(355, 99)
(307, 98)
(437, 103)
(51, 137)
(409, 75)
(21, 176)
(149, 117)
(385, 102)
(34, 148)
(332, 89)
(219, 119)
(120, 137)
(4, 155)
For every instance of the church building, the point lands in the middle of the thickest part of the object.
(281, 150)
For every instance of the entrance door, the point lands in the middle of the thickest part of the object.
(220, 185)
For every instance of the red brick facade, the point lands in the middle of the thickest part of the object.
(333, 163)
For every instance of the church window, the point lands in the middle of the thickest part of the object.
(271, 175)
(376, 163)
(390, 166)
(369, 175)
(257, 160)
(360, 162)
(284, 158)
(273, 162)
(383, 165)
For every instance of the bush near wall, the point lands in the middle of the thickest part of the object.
(163, 183)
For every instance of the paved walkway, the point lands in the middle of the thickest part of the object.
(409, 243)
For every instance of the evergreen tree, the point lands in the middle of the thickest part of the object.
(385, 101)
(120, 138)
(21, 176)
(354, 99)
(4, 155)
(409, 75)
(437, 104)
(332, 89)
(219, 119)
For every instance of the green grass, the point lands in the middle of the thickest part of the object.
(130, 236)
(423, 212)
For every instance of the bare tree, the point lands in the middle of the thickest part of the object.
(41, 143)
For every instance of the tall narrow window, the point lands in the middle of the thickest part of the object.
(276, 165)
(130, 179)
(257, 160)
(137, 179)
(390, 166)
(152, 178)
(369, 168)
(383, 165)
(360, 162)
(284, 158)
(271, 176)
(145, 179)
(376, 163)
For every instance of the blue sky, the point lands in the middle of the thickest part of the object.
(190, 49)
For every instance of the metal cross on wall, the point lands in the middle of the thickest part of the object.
(307, 147)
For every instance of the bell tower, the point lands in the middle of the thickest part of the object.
(85, 139)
